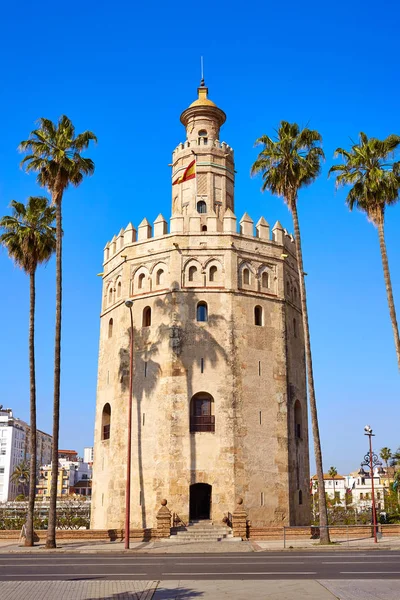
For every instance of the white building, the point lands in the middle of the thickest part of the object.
(88, 455)
(335, 488)
(360, 485)
(69, 474)
(14, 449)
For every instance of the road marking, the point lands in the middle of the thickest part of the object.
(190, 564)
(369, 572)
(193, 573)
(359, 562)
(73, 575)
(93, 564)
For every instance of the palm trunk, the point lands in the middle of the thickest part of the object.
(389, 292)
(323, 513)
(29, 540)
(51, 532)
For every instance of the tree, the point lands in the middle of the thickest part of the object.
(29, 237)
(287, 163)
(386, 455)
(20, 476)
(332, 472)
(54, 153)
(375, 181)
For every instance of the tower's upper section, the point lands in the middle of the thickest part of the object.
(210, 191)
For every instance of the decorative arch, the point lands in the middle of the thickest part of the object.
(193, 273)
(202, 413)
(246, 275)
(140, 280)
(214, 270)
(106, 422)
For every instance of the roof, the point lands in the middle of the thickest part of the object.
(67, 452)
(328, 477)
(202, 99)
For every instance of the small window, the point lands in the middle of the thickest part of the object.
(204, 227)
(300, 497)
(361, 496)
(202, 312)
(146, 317)
(378, 495)
(106, 422)
(298, 419)
(141, 281)
(295, 293)
(264, 280)
(202, 139)
(258, 316)
(295, 328)
(192, 273)
(213, 273)
(110, 295)
(246, 276)
(201, 413)
(201, 207)
(119, 289)
(110, 328)
(159, 277)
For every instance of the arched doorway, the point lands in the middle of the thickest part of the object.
(200, 501)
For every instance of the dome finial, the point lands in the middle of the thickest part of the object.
(202, 84)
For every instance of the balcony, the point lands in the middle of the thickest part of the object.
(203, 423)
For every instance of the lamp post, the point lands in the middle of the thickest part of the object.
(371, 460)
(129, 304)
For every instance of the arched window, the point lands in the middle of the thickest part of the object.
(110, 328)
(294, 327)
(119, 289)
(288, 291)
(201, 207)
(264, 280)
(202, 312)
(246, 276)
(300, 497)
(213, 273)
(146, 317)
(159, 277)
(298, 420)
(295, 293)
(204, 227)
(258, 316)
(202, 136)
(106, 422)
(110, 295)
(141, 281)
(192, 273)
(202, 413)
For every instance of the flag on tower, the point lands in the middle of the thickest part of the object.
(189, 173)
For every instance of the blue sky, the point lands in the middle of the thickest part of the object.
(126, 72)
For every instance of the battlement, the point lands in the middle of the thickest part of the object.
(130, 235)
(203, 142)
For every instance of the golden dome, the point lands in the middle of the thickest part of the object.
(202, 100)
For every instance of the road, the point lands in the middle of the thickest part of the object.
(249, 566)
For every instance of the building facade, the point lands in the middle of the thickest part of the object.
(219, 391)
(70, 473)
(14, 449)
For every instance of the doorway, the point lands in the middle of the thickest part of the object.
(200, 501)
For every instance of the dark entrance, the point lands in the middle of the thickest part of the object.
(200, 501)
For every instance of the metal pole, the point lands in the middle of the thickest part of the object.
(372, 484)
(129, 442)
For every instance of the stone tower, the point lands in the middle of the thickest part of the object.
(219, 390)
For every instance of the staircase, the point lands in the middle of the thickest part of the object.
(203, 531)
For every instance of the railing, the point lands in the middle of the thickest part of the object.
(203, 423)
(177, 521)
(106, 432)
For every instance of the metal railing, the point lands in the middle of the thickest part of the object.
(203, 423)
(337, 533)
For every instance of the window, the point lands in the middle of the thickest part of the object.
(146, 317)
(119, 289)
(202, 312)
(213, 272)
(192, 273)
(295, 328)
(204, 227)
(202, 136)
(159, 277)
(300, 497)
(110, 295)
(246, 276)
(201, 207)
(378, 495)
(298, 419)
(110, 328)
(141, 281)
(361, 496)
(295, 293)
(201, 413)
(264, 280)
(258, 316)
(106, 422)
(1, 470)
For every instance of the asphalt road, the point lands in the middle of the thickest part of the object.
(260, 565)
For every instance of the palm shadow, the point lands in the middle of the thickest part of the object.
(160, 593)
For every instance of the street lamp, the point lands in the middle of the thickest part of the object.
(371, 460)
(129, 304)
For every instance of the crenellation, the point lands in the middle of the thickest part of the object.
(262, 229)
(144, 230)
(120, 240)
(130, 234)
(229, 221)
(160, 226)
(246, 225)
(278, 233)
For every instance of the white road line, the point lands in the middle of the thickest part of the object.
(247, 573)
(360, 562)
(93, 564)
(73, 575)
(189, 564)
(369, 572)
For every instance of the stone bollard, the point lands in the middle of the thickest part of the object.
(239, 519)
(163, 521)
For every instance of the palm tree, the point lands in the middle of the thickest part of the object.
(386, 455)
(332, 472)
(54, 152)
(21, 476)
(287, 163)
(29, 237)
(375, 182)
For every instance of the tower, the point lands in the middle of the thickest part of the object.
(219, 372)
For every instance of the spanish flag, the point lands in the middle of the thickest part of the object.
(189, 173)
